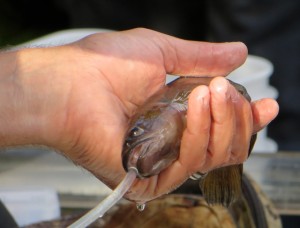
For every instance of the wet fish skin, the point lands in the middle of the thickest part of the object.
(153, 141)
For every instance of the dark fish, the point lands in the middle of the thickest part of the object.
(153, 140)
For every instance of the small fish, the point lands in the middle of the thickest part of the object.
(153, 140)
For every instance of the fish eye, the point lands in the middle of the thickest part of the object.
(136, 131)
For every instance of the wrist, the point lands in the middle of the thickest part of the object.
(9, 99)
(29, 96)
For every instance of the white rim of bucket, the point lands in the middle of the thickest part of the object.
(265, 70)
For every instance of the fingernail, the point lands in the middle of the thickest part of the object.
(221, 86)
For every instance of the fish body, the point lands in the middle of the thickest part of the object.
(153, 140)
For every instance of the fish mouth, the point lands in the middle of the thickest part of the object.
(132, 152)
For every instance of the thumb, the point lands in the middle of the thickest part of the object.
(193, 58)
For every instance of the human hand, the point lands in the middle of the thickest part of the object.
(78, 99)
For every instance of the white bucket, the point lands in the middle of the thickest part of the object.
(31, 205)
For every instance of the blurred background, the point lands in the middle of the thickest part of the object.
(269, 28)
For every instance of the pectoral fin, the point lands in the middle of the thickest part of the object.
(223, 185)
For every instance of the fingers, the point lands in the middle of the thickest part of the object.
(219, 134)
(194, 141)
(223, 123)
(195, 138)
(231, 128)
(264, 111)
(220, 122)
(243, 128)
(218, 131)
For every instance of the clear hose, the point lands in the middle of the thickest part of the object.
(107, 203)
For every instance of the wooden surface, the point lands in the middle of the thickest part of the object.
(278, 176)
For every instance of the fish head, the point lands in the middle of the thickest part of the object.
(153, 140)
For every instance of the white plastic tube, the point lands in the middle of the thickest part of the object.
(107, 203)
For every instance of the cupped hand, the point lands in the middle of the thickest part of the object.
(95, 85)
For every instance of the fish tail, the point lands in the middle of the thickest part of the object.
(222, 185)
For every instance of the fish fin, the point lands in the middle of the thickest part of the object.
(222, 185)
(180, 101)
(181, 97)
